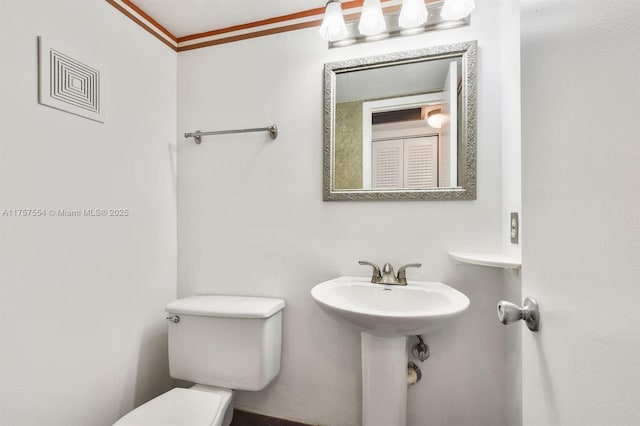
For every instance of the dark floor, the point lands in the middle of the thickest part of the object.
(242, 418)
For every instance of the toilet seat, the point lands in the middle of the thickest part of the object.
(197, 406)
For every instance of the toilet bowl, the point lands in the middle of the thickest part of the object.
(220, 343)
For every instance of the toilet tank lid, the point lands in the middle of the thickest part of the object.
(226, 306)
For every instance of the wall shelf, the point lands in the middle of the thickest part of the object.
(487, 259)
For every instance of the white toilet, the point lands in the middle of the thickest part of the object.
(221, 343)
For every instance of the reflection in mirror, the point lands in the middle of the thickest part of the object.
(408, 137)
(401, 126)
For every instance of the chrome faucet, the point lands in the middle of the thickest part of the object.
(387, 276)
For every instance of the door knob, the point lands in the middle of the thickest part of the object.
(510, 312)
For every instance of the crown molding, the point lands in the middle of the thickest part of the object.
(280, 24)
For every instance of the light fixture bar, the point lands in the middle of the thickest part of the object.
(435, 22)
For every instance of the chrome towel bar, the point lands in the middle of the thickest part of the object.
(197, 135)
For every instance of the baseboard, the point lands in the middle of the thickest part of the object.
(245, 418)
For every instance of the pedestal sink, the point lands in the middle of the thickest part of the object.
(385, 315)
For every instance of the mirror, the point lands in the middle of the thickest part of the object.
(401, 126)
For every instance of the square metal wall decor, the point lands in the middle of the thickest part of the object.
(69, 84)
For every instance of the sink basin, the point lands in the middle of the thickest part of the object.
(390, 310)
(385, 316)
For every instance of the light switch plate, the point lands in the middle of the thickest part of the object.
(515, 228)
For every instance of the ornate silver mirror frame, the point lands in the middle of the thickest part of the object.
(466, 142)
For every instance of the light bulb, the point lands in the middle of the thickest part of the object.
(333, 27)
(413, 13)
(457, 9)
(371, 18)
(435, 118)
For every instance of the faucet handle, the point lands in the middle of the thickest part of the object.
(376, 276)
(402, 275)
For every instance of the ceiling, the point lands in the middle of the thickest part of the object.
(186, 17)
(393, 81)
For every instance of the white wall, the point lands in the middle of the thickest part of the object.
(81, 299)
(581, 186)
(251, 221)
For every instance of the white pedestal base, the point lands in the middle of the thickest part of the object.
(384, 380)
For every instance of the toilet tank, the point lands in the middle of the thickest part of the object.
(230, 342)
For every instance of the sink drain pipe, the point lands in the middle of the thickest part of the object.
(421, 351)
(413, 374)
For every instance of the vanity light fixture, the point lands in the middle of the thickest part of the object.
(375, 23)
(371, 18)
(413, 14)
(333, 27)
(434, 118)
(457, 9)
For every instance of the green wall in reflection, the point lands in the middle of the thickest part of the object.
(348, 146)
